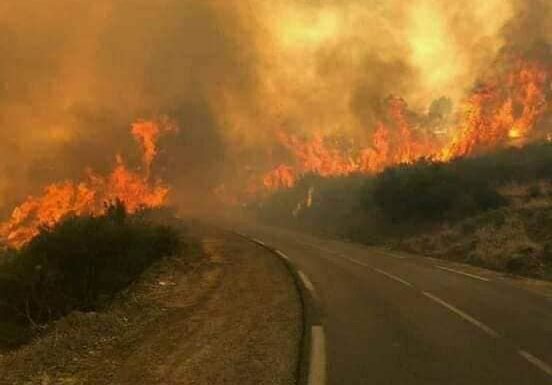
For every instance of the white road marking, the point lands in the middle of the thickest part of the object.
(397, 256)
(388, 275)
(317, 369)
(465, 316)
(306, 281)
(433, 259)
(393, 277)
(282, 255)
(463, 273)
(259, 242)
(355, 261)
(322, 249)
(535, 361)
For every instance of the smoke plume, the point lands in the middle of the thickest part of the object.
(74, 76)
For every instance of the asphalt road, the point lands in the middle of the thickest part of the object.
(400, 319)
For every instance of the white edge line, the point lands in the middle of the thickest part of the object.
(306, 281)
(397, 256)
(388, 275)
(259, 242)
(317, 369)
(355, 261)
(388, 254)
(465, 316)
(393, 277)
(463, 273)
(281, 255)
(433, 259)
(535, 361)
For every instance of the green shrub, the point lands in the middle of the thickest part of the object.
(80, 263)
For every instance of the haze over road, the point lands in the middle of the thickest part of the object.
(396, 319)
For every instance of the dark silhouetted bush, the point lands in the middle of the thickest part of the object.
(323, 204)
(407, 199)
(80, 263)
(431, 191)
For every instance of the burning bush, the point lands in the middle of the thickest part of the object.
(137, 189)
(493, 210)
(504, 110)
(80, 263)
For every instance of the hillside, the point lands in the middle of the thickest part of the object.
(493, 210)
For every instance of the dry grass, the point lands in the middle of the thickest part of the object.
(516, 238)
(230, 315)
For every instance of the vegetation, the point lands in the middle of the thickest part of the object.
(79, 264)
(451, 210)
(333, 201)
(427, 191)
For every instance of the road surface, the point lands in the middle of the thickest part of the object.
(401, 319)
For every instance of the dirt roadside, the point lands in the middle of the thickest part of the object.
(227, 313)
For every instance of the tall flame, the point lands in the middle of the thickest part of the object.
(393, 142)
(147, 133)
(500, 111)
(489, 114)
(136, 190)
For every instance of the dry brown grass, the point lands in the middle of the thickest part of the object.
(231, 315)
(515, 238)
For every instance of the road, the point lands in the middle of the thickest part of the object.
(399, 319)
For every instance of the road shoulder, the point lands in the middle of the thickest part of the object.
(230, 315)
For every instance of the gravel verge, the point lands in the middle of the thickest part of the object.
(225, 313)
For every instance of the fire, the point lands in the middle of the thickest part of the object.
(147, 133)
(136, 190)
(393, 142)
(281, 177)
(503, 109)
(406, 145)
(498, 112)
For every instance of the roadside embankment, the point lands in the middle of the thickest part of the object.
(228, 314)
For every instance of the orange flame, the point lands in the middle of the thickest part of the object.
(89, 196)
(147, 133)
(392, 143)
(500, 111)
(496, 113)
(281, 176)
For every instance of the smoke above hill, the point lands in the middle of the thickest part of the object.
(247, 82)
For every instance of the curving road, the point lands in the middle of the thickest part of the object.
(403, 319)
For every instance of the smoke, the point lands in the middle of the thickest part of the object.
(530, 31)
(74, 75)
(231, 74)
(341, 59)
